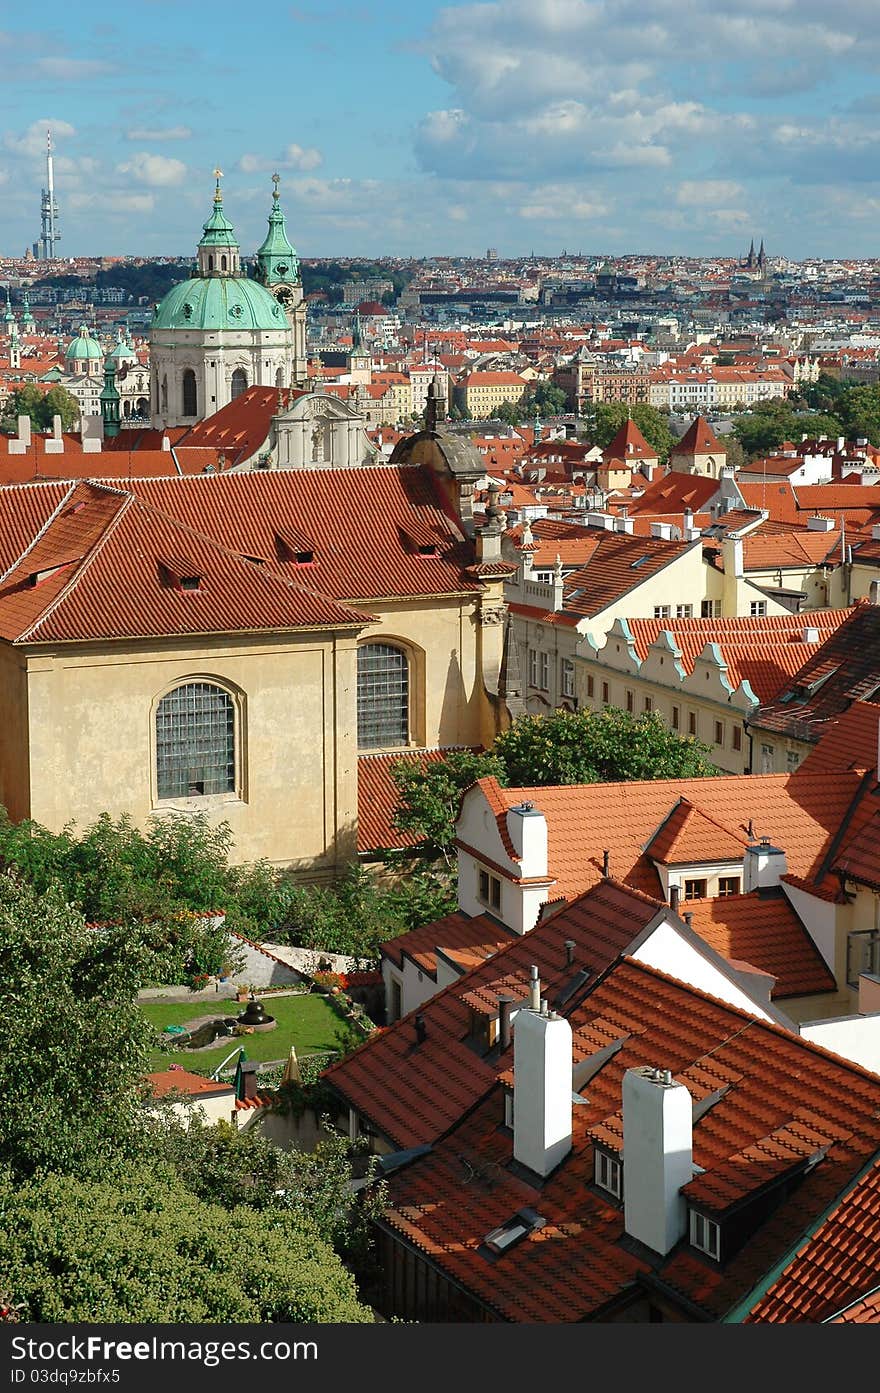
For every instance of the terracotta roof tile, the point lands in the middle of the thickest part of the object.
(777, 1092)
(688, 836)
(377, 797)
(698, 439)
(764, 930)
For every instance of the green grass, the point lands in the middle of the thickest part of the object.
(308, 1022)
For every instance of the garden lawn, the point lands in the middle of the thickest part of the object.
(308, 1022)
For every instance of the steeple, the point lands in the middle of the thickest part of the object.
(9, 317)
(110, 399)
(277, 261)
(14, 347)
(219, 253)
(27, 319)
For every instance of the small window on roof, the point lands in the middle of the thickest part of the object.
(608, 1173)
(705, 1235)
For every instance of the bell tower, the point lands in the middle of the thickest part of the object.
(278, 270)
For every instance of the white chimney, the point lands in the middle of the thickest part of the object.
(605, 520)
(875, 532)
(820, 524)
(542, 1060)
(658, 1157)
(24, 430)
(662, 530)
(626, 525)
(527, 828)
(763, 865)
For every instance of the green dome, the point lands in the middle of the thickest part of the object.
(84, 346)
(219, 302)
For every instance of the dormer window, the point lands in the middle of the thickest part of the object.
(178, 573)
(294, 547)
(608, 1173)
(705, 1235)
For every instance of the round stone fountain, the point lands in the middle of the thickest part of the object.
(256, 1017)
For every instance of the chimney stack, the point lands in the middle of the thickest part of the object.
(674, 897)
(606, 862)
(569, 946)
(505, 1002)
(248, 1079)
(534, 989)
(542, 1108)
(527, 827)
(421, 1029)
(659, 1160)
(763, 865)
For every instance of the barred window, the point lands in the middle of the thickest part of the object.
(195, 742)
(382, 696)
(239, 383)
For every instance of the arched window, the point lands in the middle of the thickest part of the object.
(223, 263)
(190, 405)
(279, 378)
(382, 696)
(164, 401)
(239, 382)
(195, 741)
(210, 263)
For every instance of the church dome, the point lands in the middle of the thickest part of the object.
(219, 302)
(83, 348)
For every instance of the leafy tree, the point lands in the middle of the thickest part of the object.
(594, 747)
(510, 412)
(546, 398)
(762, 430)
(138, 1247)
(59, 402)
(429, 796)
(29, 400)
(76, 1045)
(223, 1166)
(609, 416)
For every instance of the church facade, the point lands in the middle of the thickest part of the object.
(221, 332)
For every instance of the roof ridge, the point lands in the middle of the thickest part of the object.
(81, 569)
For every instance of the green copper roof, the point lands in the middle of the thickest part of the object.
(219, 302)
(84, 346)
(277, 259)
(218, 230)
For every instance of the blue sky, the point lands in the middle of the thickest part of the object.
(597, 125)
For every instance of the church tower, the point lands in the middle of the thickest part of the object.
(278, 270)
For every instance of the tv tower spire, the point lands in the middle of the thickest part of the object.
(49, 234)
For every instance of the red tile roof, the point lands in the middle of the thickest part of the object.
(687, 836)
(167, 1081)
(674, 492)
(101, 570)
(414, 1093)
(458, 936)
(764, 651)
(629, 444)
(377, 797)
(801, 812)
(845, 668)
(848, 741)
(772, 1084)
(698, 439)
(834, 1276)
(763, 929)
(354, 517)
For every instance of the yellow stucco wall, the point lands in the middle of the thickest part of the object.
(91, 724)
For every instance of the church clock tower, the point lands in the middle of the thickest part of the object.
(278, 270)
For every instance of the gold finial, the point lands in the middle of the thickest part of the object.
(218, 175)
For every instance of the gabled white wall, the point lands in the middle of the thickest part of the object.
(667, 951)
(854, 1037)
(819, 918)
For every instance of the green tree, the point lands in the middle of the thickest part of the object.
(29, 400)
(139, 1247)
(76, 1045)
(584, 747)
(546, 398)
(762, 430)
(59, 402)
(428, 797)
(609, 416)
(510, 412)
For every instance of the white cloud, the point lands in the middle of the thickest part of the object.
(167, 133)
(295, 157)
(707, 193)
(71, 69)
(156, 171)
(32, 142)
(110, 202)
